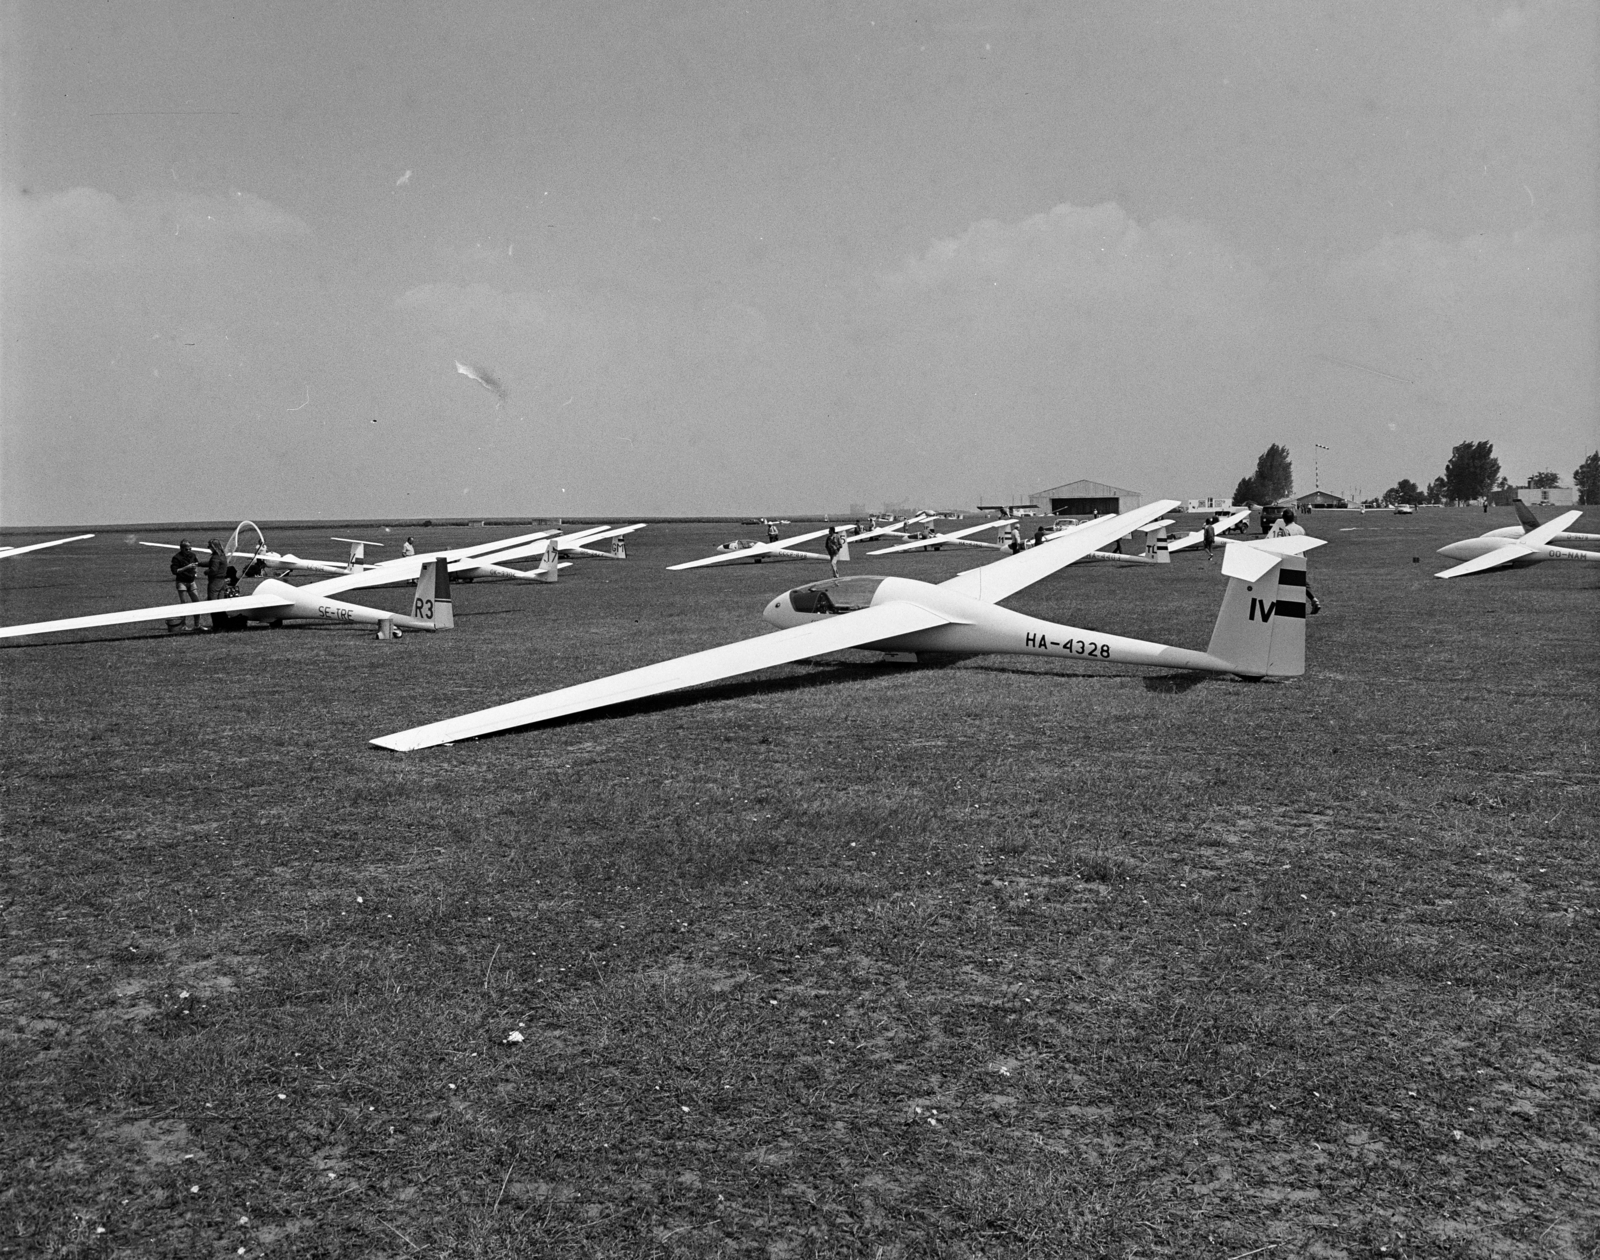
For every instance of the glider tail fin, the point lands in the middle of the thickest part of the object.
(550, 565)
(1261, 630)
(1525, 515)
(432, 600)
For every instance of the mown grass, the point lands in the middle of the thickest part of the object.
(1006, 958)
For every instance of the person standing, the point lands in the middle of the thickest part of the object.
(216, 577)
(772, 532)
(833, 544)
(1288, 527)
(185, 568)
(408, 548)
(1208, 539)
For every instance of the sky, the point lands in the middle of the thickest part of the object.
(706, 258)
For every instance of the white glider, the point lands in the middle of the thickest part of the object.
(1149, 546)
(475, 562)
(274, 601)
(787, 548)
(1495, 551)
(956, 538)
(1218, 527)
(577, 543)
(7, 552)
(1531, 522)
(1259, 633)
(286, 562)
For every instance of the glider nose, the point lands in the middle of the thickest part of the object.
(777, 612)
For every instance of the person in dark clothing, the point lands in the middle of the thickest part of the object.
(185, 569)
(1208, 540)
(1038, 536)
(230, 589)
(216, 576)
(833, 544)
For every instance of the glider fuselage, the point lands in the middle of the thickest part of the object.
(303, 601)
(1472, 548)
(975, 627)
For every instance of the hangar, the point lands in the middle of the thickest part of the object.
(1086, 498)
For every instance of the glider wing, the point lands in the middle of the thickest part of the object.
(830, 634)
(993, 582)
(1488, 560)
(751, 553)
(1195, 537)
(1546, 532)
(959, 537)
(166, 612)
(7, 552)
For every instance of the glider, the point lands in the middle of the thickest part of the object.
(7, 552)
(476, 562)
(274, 601)
(1259, 633)
(1495, 551)
(1149, 546)
(1531, 522)
(483, 378)
(1218, 527)
(284, 562)
(956, 538)
(787, 548)
(579, 543)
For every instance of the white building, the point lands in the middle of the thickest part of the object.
(1548, 496)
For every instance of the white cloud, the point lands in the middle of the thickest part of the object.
(85, 228)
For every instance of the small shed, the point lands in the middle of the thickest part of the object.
(1086, 498)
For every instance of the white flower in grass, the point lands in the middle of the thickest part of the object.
(514, 1036)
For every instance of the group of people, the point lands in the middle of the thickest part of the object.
(222, 582)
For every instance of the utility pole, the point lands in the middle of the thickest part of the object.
(1316, 466)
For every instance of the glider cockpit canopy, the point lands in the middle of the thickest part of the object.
(835, 595)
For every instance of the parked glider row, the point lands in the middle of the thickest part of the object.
(1259, 631)
(274, 600)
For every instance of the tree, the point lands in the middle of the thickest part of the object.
(1405, 491)
(1544, 480)
(1436, 490)
(1586, 476)
(1471, 472)
(1273, 478)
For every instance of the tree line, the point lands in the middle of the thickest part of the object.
(1472, 472)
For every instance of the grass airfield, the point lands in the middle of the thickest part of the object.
(1008, 958)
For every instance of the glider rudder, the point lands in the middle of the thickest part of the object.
(1261, 629)
(550, 564)
(432, 600)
